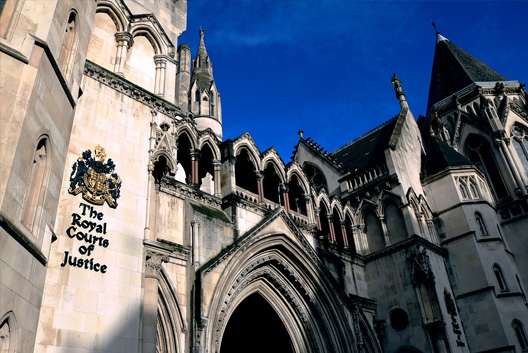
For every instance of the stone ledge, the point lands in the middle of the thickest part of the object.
(22, 239)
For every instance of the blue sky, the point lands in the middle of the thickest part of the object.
(325, 66)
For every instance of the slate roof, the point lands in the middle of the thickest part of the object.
(365, 150)
(454, 69)
(441, 156)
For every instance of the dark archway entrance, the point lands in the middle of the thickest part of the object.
(255, 327)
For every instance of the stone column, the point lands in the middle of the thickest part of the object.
(153, 261)
(195, 157)
(260, 187)
(517, 166)
(503, 148)
(124, 42)
(385, 232)
(150, 170)
(159, 83)
(317, 218)
(217, 178)
(331, 226)
(344, 234)
(285, 197)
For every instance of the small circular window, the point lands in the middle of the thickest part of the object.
(399, 319)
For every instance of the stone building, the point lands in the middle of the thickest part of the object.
(128, 224)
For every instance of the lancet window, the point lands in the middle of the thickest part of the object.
(518, 328)
(67, 52)
(520, 142)
(272, 183)
(37, 185)
(481, 226)
(499, 276)
(479, 153)
(245, 172)
(296, 196)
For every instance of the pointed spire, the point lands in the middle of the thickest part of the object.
(201, 48)
(454, 69)
(202, 66)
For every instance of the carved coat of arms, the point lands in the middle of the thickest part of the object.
(95, 179)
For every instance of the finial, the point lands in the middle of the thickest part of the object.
(300, 132)
(201, 32)
(434, 25)
(400, 94)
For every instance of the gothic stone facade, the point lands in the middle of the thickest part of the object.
(129, 225)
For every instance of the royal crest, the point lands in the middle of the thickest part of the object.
(95, 179)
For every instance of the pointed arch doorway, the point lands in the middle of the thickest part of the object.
(255, 327)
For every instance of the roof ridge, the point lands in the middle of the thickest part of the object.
(365, 134)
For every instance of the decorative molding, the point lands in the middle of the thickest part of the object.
(131, 90)
(174, 187)
(518, 110)
(18, 234)
(249, 275)
(153, 261)
(414, 240)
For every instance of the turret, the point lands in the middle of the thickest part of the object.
(204, 99)
(183, 77)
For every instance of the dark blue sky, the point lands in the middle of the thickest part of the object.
(325, 66)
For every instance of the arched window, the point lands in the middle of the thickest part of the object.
(481, 226)
(206, 170)
(374, 232)
(463, 191)
(184, 157)
(520, 142)
(499, 276)
(395, 225)
(467, 186)
(245, 172)
(37, 185)
(8, 329)
(323, 220)
(296, 196)
(480, 154)
(68, 48)
(197, 95)
(272, 183)
(518, 328)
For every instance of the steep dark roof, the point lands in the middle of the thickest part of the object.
(441, 156)
(365, 150)
(454, 69)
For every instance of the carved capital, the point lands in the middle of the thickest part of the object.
(124, 38)
(153, 263)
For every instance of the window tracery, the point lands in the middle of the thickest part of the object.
(520, 143)
(468, 187)
(478, 152)
(315, 176)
